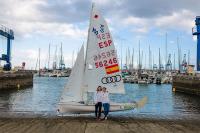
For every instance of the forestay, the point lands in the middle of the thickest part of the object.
(102, 67)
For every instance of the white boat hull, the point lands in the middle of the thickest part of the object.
(79, 108)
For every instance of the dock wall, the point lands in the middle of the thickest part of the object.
(15, 80)
(187, 84)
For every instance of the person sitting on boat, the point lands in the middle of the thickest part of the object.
(106, 103)
(98, 102)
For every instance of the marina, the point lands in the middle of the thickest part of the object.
(134, 73)
(41, 101)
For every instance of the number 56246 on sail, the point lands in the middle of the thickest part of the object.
(106, 63)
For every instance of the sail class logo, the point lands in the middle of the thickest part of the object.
(112, 69)
(111, 79)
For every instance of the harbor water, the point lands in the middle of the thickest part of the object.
(42, 99)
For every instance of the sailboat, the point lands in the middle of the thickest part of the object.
(98, 66)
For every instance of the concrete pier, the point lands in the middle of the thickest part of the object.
(188, 84)
(91, 125)
(16, 80)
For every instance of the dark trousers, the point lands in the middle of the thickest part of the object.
(106, 108)
(98, 107)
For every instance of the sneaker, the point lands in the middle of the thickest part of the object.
(102, 119)
(106, 118)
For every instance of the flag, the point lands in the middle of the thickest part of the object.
(112, 69)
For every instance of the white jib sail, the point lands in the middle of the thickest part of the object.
(73, 89)
(102, 66)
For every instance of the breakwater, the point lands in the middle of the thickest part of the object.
(189, 84)
(16, 80)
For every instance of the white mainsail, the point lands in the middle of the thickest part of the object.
(102, 67)
(73, 89)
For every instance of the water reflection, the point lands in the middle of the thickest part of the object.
(4, 100)
(43, 97)
(186, 104)
(159, 98)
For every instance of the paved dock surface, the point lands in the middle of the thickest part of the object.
(90, 125)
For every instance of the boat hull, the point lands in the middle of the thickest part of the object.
(79, 108)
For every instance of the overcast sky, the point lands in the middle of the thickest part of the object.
(37, 23)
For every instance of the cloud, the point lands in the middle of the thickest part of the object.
(156, 8)
(183, 20)
(65, 11)
(139, 25)
(29, 17)
(69, 18)
(26, 17)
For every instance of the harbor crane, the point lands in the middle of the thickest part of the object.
(184, 63)
(196, 31)
(9, 35)
(169, 63)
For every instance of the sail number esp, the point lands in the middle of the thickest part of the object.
(104, 38)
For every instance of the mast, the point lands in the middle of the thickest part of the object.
(188, 57)
(55, 59)
(139, 65)
(36, 64)
(132, 62)
(61, 58)
(142, 60)
(121, 58)
(149, 58)
(174, 61)
(39, 62)
(126, 59)
(72, 58)
(159, 61)
(153, 61)
(129, 58)
(49, 56)
(166, 52)
(180, 58)
(139, 57)
(145, 64)
(178, 54)
(88, 35)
